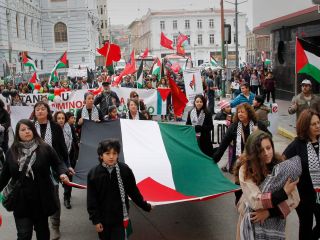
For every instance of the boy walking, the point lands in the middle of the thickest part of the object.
(109, 185)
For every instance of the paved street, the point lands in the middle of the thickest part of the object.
(213, 219)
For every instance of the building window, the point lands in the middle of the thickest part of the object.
(60, 32)
(101, 11)
(175, 24)
(106, 24)
(25, 27)
(200, 39)
(187, 24)
(175, 40)
(38, 31)
(162, 25)
(211, 38)
(234, 38)
(102, 24)
(36, 62)
(189, 39)
(83, 59)
(199, 23)
(17, 25)
(211, 23)
(41, 64)
(31, 25)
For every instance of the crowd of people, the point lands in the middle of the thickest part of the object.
(46, 146)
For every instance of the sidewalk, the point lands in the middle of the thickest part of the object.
(287, 122)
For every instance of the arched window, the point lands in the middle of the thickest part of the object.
(60, 32)
(38, 31)
(25, 28)
(31, 25)
(17, 24)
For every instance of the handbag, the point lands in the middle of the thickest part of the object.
(12, 191)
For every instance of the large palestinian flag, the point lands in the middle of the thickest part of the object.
(167, 163)
(308, 59)
(61, 63)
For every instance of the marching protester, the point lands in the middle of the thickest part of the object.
(306, 146)
(71, 141)
(112, 114)
(135, 95)
(5, 123)
(110, 184)
(225, 113)
(16, 100)
(29, 161)
(270, 87)
(89, 112)
(106, 99)
(244, 97)
(269, 193)
(306, 99)
(133, 110)
(210, 93)
(261, 110)
(254, 82)
(201, 119)
(52, 134)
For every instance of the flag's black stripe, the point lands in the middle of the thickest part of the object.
(309, 47)
(91, 134)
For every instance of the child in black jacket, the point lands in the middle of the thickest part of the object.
(109, 185)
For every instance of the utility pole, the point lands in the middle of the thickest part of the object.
(222, 34)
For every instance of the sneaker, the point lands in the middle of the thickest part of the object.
(55, 233)
(67, 204)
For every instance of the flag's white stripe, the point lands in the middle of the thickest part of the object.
(143, 139)
(163, 107)
(313, 59)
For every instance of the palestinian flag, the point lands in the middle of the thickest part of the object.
(157, 69)
(140, 76)
(213, 62)
(61, 63)
(307, 59)
(167, 163)
(28, 62)
(33, 80)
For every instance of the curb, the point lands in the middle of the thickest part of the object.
(285, 133)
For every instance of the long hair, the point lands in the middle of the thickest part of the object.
(16, 141)
(55, 116)
(49, 117)
(303, 123)
(255, 168)
(204, 101)
(249, 109)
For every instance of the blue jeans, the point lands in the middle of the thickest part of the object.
(25, 228)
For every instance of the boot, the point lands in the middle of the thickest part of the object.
(67, 204)
(55, 233)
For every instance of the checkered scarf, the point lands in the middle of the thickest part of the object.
(239, 136)
(94, 113)
(314, 166)
(48, 134)
(195, 119)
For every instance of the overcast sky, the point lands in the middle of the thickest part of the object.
(125, 11)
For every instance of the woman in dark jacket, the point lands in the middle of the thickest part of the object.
(306, 146)
(200, 118)
(52, 134)
(133, 112)
(5, 123)
(36, 200)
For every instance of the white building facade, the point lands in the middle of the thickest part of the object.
(203, 27)
(104, 22)
(45, 29)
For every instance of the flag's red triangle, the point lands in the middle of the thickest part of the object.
(64, 58)
(24, 58)
(301, 58)
(145, 53)
(156, 192)
(164, 93)
(33, 79)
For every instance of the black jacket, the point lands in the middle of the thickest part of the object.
(305, 186)
(231, 136)
(205, 143)
(103, 195)
(6, 123)
(37, 196)
(141, 116)
(78, 116)
(105, 101)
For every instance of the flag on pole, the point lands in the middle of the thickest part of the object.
(111, 52)
(308, 59)
(140, 76)
(61, 63)
(165, 42)
(28, 62)
(145, 53)
(213, 62)
(179, 99)
(181, 42)
(157, 69)
(130, 68)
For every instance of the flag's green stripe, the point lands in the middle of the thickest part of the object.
(159, 104)
(194, 173)
(60, 65)
(312, 71)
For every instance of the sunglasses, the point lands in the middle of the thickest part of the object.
(135, 95)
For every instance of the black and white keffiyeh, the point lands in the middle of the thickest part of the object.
(48, 134)
(27, 148)
(195, 118)
(67, 133)
(94, 113)
(314, 166)
(239, 136)
(122, 191)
